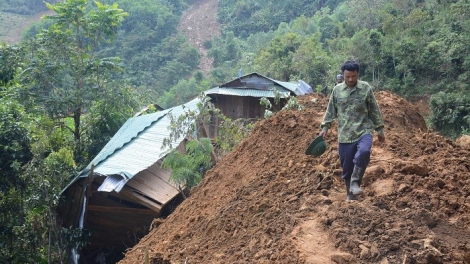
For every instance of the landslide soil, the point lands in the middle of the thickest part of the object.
(199, 23)
(268, 202)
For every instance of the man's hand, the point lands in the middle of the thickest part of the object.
(323, 132)
(381, 137)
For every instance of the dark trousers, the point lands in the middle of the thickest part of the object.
(357, 153)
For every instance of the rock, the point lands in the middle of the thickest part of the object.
(463, 141)
(415, 169)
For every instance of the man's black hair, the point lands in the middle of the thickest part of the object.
(350, 66)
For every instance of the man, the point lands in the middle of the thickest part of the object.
(353, 104)
(327, 90)
(339, 79)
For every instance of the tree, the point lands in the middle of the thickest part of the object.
(450, 113)
(313, 64)
(276, 60)
(188, 168)
(64, 75)
(10, 60)
(14, 153)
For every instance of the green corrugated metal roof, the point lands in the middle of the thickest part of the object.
(257, 85)
(245, 92)
(137, 145)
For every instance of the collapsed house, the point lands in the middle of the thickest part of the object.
(124, 188)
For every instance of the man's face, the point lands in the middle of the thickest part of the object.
(350, 78)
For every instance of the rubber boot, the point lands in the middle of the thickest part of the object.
(356, 180)
(349, 195)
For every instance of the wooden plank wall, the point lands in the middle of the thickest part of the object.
(69, 210)
(235, 107)
(114, 219)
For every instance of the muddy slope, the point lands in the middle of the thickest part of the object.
(267, 202)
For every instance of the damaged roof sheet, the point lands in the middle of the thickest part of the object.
(137, 144)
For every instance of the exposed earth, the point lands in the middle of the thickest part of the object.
(268, 202)
(199, 23)
(17, 24)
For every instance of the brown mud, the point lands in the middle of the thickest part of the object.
(268, 202)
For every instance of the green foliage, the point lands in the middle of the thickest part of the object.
(231, 133)
(156, 56)
(65, 76)
(47, 173)
(188, 168)
(75, 236)
(266, 103)
(292, 102)
(19, 238)
(14, 141)
(83, 68)
(247, 17)
(106, 116)
(186, 124)
(278, 58)
(184, 91)
(450, 113)
(225, 49)
(10, 61)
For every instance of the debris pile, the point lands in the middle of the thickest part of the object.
(267, 202)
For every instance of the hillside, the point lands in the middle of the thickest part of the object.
(267, 202)
(199, 23)
(14, 25)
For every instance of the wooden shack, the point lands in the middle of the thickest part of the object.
(124, 188)
(240, 98)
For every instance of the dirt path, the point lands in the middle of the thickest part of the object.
(199, 23)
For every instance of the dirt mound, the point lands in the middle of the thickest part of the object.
(267, 202)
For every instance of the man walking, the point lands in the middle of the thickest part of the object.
(353, 104)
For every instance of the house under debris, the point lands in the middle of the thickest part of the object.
(124, 188)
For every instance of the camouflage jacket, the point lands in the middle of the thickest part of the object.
(356, 109)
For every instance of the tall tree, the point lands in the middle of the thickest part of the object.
(65, 75)
(14, 153)
(276, 60)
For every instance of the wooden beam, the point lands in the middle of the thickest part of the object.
(132, 194)
(88, 185)
(124, 210)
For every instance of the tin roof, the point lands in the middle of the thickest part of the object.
(257, 85)
(244, 92)
(137, 144)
